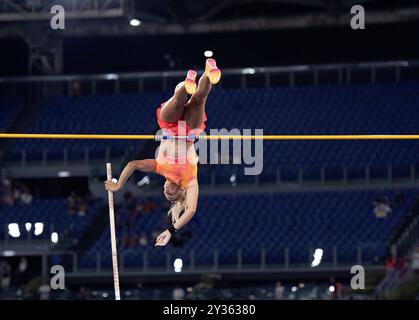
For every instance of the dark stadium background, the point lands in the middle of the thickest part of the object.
(102, 75)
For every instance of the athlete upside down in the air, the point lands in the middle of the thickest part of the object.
(174, 160)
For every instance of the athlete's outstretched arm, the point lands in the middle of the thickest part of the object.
(192, 193)
(147, 165)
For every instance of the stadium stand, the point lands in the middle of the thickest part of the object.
(9, 107)
(53, 214)
(298, 221)
(324, 109)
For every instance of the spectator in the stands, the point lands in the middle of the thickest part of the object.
(22, 271)
(71, 203)
(8, 198)
(77, 204)
(143, 241)
(5, 275)
(133, 241)
(125, 241)
(138, 209)
(82, 295)
(44, 290)
(381, 207)
(75, 89)
(337, 293)
(178, 293)
(82, 209)
(149, 205)
(279, 291)
(12, 191)
(390, 263)
(17, 189)
(26, 196)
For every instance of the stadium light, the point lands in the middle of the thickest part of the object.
(318, 255)
(14, 230)
(9, 253)
(112, 76)
(28, 226)
(63, 174)
(208, 53)
(178, 265)
(39, 228)
(248, 71)
(135, 22)
(54, 237)
(143, 181)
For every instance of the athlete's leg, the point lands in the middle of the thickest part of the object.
(174, 108)
(195, 108)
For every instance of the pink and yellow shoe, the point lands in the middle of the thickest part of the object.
(190, 82)
(212, 71)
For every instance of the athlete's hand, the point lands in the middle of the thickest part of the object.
(112, 186)
(163, 238)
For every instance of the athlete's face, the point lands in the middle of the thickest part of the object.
(172, 191)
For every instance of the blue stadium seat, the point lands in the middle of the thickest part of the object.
(300, 222)
(9, 107)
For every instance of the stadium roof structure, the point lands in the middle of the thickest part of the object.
(87, 17)
(30, 19)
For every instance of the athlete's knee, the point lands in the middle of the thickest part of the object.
(199, 99)
(180, 96)
(175, 102)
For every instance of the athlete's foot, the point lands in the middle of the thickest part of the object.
(190, 82)
(212, 71)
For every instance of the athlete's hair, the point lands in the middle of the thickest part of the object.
(177, 208)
